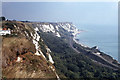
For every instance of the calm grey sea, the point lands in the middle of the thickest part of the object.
(105, 37)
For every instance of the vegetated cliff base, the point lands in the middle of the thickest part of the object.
(73, 60)
(21, 58)
(49, 50)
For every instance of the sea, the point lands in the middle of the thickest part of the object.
(103, 36)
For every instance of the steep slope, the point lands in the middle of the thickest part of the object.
(24, 54)
(67, 31)
(30, 47)
(74, 60)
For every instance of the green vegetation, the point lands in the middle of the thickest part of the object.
(69, 64)
(2, 18)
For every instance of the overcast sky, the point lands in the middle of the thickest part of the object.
(100, 13)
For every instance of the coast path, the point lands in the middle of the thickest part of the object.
(108, 64)
(71, 44)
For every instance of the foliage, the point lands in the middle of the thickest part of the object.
(2, 18)
(73, 65)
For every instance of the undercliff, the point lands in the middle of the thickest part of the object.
(49, 50)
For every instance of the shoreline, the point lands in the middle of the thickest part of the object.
(75, 37)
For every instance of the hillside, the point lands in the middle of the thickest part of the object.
(49, 50)
(24, 54)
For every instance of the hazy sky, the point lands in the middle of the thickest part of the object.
(100, 13)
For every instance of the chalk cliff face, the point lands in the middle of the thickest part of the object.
(60, 29)
(45, 50)
(24, 53)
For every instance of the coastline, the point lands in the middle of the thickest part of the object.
(75, 37)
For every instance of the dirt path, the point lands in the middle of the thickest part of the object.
(110, 64)
(71, 45)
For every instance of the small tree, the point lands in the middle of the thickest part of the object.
(2, 18)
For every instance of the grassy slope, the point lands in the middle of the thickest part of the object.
(72, 65)
(14, 45)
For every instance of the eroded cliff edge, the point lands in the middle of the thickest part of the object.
(48, 50)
